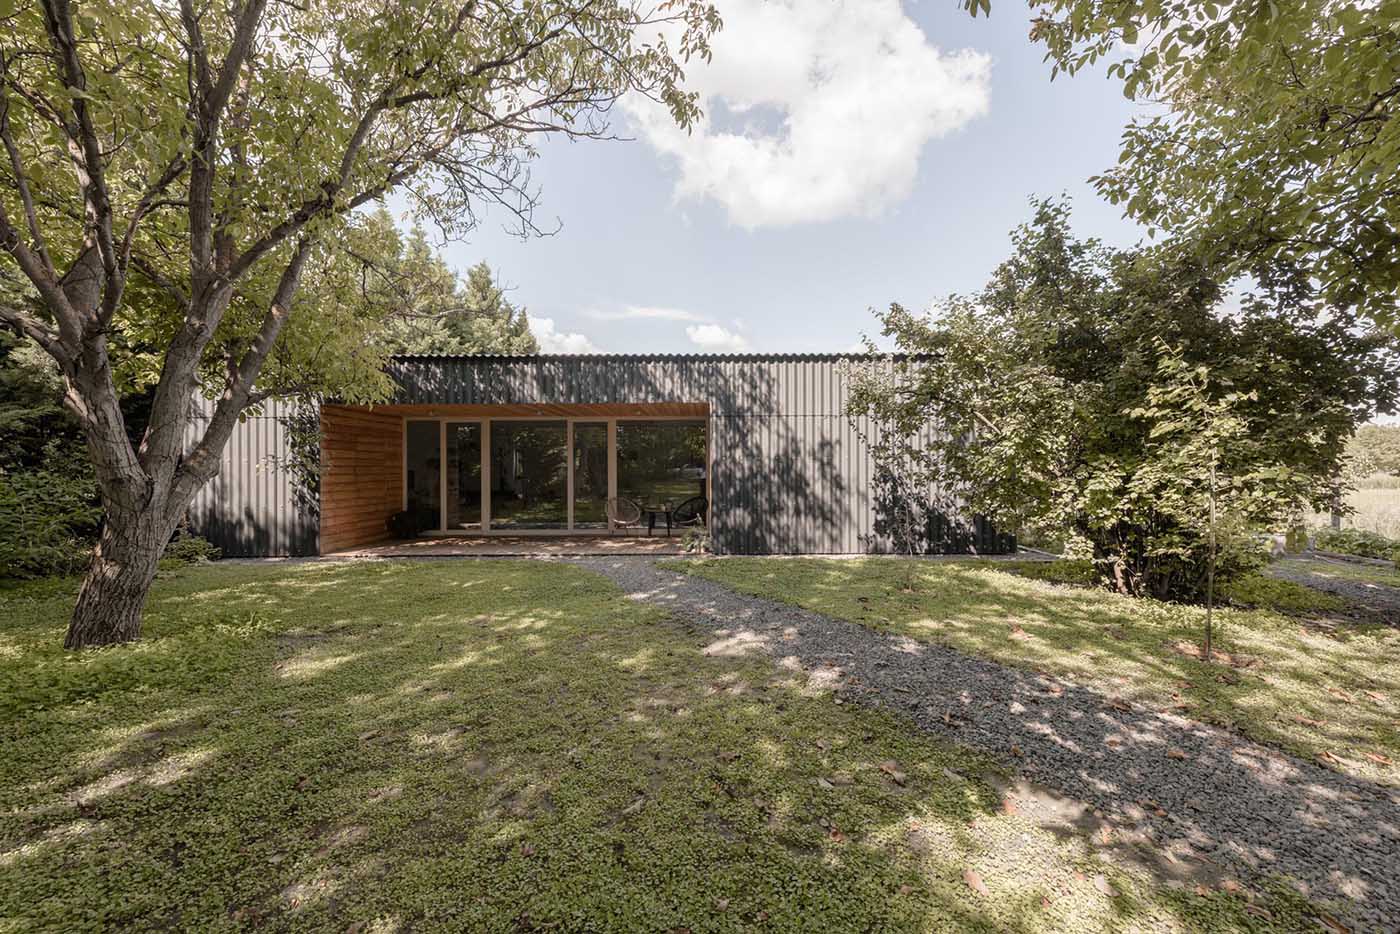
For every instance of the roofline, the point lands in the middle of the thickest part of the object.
(646, 357)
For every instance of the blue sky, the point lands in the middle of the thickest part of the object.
(856, 152)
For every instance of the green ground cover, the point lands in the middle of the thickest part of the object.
(1332, 693)
(483, 746)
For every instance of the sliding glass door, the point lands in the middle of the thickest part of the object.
(529, 475)
(423, 473)
(661, 463)
(547, 474)
(463, 476)
(590, 466)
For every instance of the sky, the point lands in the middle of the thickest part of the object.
(853, 153)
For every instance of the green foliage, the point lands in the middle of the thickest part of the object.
(481, 746)
(1083, 391)
(1375, 448)
(1257, 590)
(1272, 139)
(1359, 542)
(298, 150)
(421, 303)
(1072, 571)
(189, 549)
(48, 498)
(1278, 691)
(48, 519)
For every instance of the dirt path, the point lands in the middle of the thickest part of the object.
(1193, 802)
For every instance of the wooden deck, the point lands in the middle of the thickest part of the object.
(437, 546)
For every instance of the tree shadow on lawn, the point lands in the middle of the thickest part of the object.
(495, 745)
(1175, 785)
(1328, 694)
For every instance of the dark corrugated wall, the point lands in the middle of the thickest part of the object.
(256, 506)
(790, 473)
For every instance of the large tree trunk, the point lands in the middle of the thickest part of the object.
(113, 593)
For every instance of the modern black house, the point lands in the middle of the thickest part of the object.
(546, 445)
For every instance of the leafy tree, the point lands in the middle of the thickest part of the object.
(1377, 447)
(1272, 140)
(1204, 471)
(172, 175)
(1030, 402)
(48, 498)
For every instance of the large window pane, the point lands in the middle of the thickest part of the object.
(463, 475)
(424, 477)
(661, 463)
(590, 475)
(529, 473)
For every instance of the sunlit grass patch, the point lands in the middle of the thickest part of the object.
(480, 746)
(1329, 694)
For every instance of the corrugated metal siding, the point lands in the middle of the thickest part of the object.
(790, 472)
(254, 507)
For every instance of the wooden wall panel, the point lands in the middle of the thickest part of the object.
(361, 475)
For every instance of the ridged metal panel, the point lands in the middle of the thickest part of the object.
(790, 474)
(254, 507)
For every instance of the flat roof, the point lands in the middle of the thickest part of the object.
(641, 357)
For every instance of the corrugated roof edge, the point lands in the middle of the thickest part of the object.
(605, 357)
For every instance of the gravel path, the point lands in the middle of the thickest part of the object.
(1192, 802)
(1379, 600)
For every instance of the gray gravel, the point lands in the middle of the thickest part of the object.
(1190, 800)
(1376, 600)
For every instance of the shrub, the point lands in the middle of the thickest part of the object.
(47, 520)
(1077, 571)
(1256, 590)
(188, 549)
(1357, 542)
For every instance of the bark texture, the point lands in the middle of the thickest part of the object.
(113, 593)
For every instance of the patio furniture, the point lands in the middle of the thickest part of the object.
(661, 509)
(691, 512)
(622, 513)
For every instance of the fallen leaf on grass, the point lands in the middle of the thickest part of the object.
(974, 882)
(1018, 752)
(1018, 633)
(1338, 692)
(1377, 757)
(891, 768)
(1376, 697)
(1308, 721)
(1101, 883)
(1177, 754)
(1332, 924)
(906, 889)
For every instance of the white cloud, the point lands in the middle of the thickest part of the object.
(555, 341)
(712, 337)
(639, 312)
(850, 92)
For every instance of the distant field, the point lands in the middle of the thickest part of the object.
(1377, 505)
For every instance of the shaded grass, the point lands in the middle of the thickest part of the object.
(1333, 694)
(1344, 570)
(493, 746)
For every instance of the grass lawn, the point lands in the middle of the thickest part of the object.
(1332, 695)
(1343, 570)
(495, 746)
